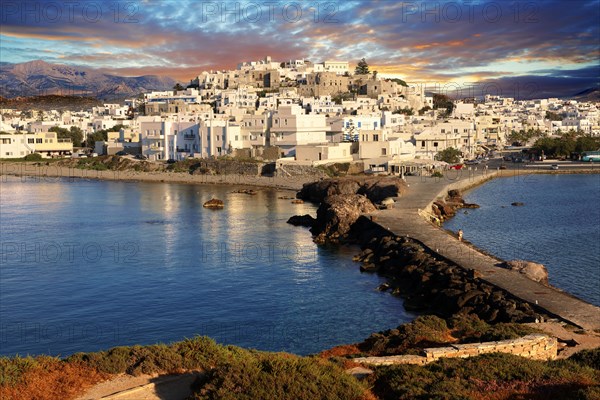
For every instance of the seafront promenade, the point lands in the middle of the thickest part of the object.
(409, 218)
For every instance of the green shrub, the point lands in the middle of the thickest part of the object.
(437, 174)
(12, 369)
(589, 358)
(33, 157)
(275, 376)
(471, 329)
(454, 378)
(424, 331)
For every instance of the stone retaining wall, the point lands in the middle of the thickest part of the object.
(535, 347)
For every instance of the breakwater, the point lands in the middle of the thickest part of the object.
(411, 217)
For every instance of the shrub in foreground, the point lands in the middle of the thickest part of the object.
(279, 376)
(490, 376)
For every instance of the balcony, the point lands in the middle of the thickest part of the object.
(156, 148)
(189, 136)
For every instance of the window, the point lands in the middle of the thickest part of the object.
(455, 130)
(375, 124)
(30, 141)
(435, 144)
(376, 138)
(39, 140)
(443, 131)
(383, 151)
(422, 143)
(359, 124)
(236, 138)
(5, 141)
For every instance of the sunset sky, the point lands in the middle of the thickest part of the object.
(549, 47)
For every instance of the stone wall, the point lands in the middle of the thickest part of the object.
(535, 347)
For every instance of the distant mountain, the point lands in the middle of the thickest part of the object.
(38, 77)
(592, 94)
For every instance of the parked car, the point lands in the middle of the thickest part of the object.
(140, 157)
(171, 161)
(457, 166)
(554, 166)
(121, 153)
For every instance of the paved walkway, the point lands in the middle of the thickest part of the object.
(407, 219)
(145, 387)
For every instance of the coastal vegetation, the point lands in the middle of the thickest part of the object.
(566, 144)
(491, 376)
(230, 372)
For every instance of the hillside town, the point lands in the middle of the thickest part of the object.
(296, 112)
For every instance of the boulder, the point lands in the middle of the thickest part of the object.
(302, 220)
(214, 203)
(517, 204)
(375, 189)
(336, 214)
(534, 271)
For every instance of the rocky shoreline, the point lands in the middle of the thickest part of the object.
(428, 282)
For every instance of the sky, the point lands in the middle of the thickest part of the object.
(462, 48)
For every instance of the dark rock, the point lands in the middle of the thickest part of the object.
(251, 192)
(369, 267)
(214, 203)
(337, 214)
(462, 300)
(383, 287)
(517, 204)
(375, 189)
(454, 193)
(302, 220)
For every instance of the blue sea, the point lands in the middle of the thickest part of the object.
(558, 226)
(87, 265)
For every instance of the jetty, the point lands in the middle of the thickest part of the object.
(410, 217)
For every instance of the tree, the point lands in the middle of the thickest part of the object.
(399, 82)
(443, 101)
(178, 87)
(587, 143)
(449, 155)
(362, 68)
(424, 110)
(374, 74)
(553, 116)
(75, 134)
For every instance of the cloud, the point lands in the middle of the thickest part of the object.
(417, 40)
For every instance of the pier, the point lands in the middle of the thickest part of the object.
(409, 217)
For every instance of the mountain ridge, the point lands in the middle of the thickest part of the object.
(34, 78)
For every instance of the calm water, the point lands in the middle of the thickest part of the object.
(559, 226)
(87, 265)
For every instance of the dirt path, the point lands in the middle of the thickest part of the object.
(571, 340)
(144, 387)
